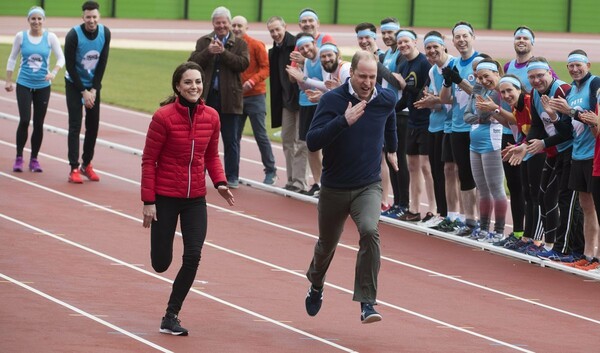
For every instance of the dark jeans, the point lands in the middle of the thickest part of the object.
(255, 108)
(192, 213)
(25, 98)
(230, 134)
(92, 122)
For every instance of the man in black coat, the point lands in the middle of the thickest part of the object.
(284, 105)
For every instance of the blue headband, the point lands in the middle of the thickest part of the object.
(405, 34)
(434, 39)
(512, 81)
(390, 26)
(487, 66)
(459, 27)
(38, 10)
(579, 58)
(308, 13)
(538, 65)
(524, 32)
(328, 47)
(303, 40)
(366, 33)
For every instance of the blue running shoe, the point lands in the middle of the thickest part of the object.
(368, 314)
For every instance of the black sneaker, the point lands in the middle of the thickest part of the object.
(170, 325)
(368, 314)
(313, 301)
(313, 191)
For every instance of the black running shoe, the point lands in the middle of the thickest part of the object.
(313, 301)
(368, 314)
(170, 325)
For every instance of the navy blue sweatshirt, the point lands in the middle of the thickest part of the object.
(352, 154)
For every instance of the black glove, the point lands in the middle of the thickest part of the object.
(455, 76)
(447, 77)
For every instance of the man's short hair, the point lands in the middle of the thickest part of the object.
(276, 18)
(365, 25)
(90, 5)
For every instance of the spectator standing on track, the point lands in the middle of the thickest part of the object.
(223, 58)
(311, 70)
(415, 71)
(399, 180)
(181, 145)
(255, 91)
(33, 82)
(350, 126)
(514, 93)
(456, 90)
(581, 101)
(561, 214)
(86, 56)
(443, 168)
(485, 142)
(284, 105)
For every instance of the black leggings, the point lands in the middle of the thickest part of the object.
(596, 195)
(437, 171)
(531, 173)
(460, 142)
(92, 121)
(515, 187)
(192, 213)
(400, 180)
(25, 97)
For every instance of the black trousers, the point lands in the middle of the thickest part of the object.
(92, 121)
(25, 98)
(192, 213)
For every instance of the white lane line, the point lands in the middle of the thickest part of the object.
(148, 273)
(79, 311)
(299, 232)
(253, 259)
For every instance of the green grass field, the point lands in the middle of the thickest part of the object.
(141, 79)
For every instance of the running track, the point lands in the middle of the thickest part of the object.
(76, 274)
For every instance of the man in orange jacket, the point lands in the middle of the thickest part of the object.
(255, 89)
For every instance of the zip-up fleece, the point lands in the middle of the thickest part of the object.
(179, 150)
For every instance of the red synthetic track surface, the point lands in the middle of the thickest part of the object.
(76, 276)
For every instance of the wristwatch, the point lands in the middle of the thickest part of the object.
(496, 111)
(573, 113)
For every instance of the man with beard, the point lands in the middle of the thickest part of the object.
(307, 78)
(335, 72)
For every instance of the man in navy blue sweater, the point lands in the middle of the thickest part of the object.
(351, 125)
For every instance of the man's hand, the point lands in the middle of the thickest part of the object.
(313, 95)
(332, 83)
(353, 113)
(216, 47)
(295, 73)
(296, 57)
(535, 146)
(393, 159)
(451, 75)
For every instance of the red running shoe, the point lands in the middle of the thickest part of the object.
(89, 173)
(75, 177)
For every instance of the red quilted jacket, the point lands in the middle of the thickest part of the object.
(179, 151)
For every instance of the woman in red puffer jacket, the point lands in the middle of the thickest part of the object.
(181, 144)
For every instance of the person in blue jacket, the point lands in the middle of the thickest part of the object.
(350, 125)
